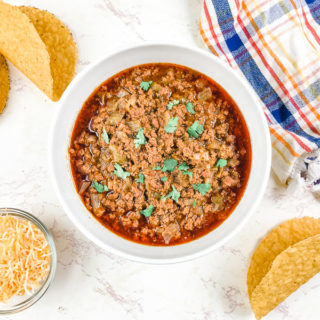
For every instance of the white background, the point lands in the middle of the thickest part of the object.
(91, 283)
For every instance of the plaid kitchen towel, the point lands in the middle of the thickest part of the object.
(275, 44)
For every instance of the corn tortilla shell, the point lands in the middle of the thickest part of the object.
(4, 82)
(276, 241)
(60, 46)
(290, 269)
(21, 44)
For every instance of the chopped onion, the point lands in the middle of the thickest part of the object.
(205, 156)
(95, 202)
(121, 135)
(217, 201)
(200, 84)
(117, 156)
(196, 156)
(91, 139)
(112, 105)
(103, 159)
(172, 230)
(84, 186)
(127, 184)
(205, 94)
(121, 105)
(101, 98)
(157, 195)
(115, 118)
(130, 103)
(122, 93)
(155, 86)
(134, 125)
(181, 179)
(189, 202)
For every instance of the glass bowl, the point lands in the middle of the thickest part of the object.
(19, 303)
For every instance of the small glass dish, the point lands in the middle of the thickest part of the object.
(19, 303)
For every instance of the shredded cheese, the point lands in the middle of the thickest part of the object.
(24, 257)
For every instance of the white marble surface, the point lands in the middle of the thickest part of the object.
(91, 283)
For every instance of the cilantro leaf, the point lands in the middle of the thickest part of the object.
(221, 163)
(171, 126)
(172, 104)
(183, 167)
(203, 188)
(195, 130)
(147, 212)
(174, 195)
(164, 179)
(188, 173)
(141, 178)
(105, 136)
(141, 139)
(99, 187)
(190, 107)
(194, 203)
(145, 85)
(169, 165)
(119, 172)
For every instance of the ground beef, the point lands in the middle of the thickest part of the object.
(123, 105)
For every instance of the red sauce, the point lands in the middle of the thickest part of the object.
(217, 113)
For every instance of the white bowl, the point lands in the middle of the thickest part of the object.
(88, 80)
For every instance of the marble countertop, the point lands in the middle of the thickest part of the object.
(91, 283)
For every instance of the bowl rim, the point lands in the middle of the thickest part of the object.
(31, 300)
(109, 247)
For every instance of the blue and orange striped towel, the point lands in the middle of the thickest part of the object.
(275, 44)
